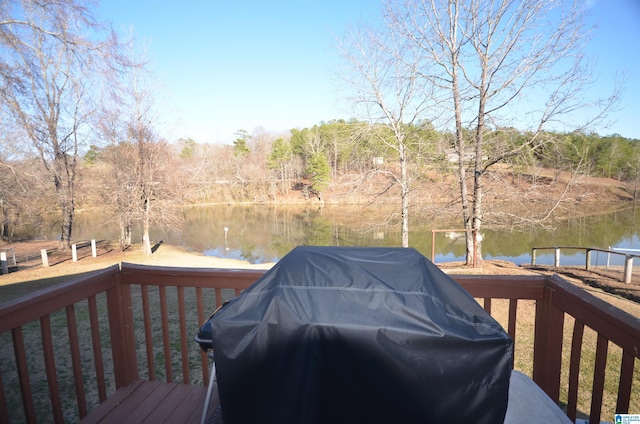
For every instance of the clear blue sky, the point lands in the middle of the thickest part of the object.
(241, 64)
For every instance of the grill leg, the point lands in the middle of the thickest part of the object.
(209, 393)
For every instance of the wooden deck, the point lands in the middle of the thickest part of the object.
(116, 345)
(153, 402)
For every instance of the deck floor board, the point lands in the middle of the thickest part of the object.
(152, 402)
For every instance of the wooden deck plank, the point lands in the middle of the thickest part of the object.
(213, 404)
(130, 403)
(140, 410)
(97, 414)
(189, 410)
(165, 408)
(152, 402)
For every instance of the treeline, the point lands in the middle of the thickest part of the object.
(273, 168)
(611, 156)
(264, 167)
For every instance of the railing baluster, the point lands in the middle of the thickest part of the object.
(203, 355)
(511, 325)
(625, 384)
(218, 292)
(574, 370)
(97, 348)
(74, 345)
(182, 318)
(50, 368)
(487, 305)
(513, 314)
(4, 408)
(23, 374)
(148, 335)
(166, 342)
(598, 380)
(199, 305)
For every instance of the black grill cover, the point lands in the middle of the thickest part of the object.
(359, 335)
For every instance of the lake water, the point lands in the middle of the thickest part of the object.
(266, 233)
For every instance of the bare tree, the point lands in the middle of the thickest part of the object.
(382, 74)
(141, 176)
(486, 61)
(47, 52)
(116, 178)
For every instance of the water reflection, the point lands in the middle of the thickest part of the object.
(266, 233)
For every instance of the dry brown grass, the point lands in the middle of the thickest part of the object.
(35, 276)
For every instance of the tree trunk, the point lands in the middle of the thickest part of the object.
(125, 235)
(637, 178)
(462, 171)
(65, 192)
(404, 187)
(4, 228)
(478, 170)
(67, 225)
(146, 242)
(146, 224)
(466, 219)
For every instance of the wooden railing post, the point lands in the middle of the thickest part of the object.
(587, 265)
(547, 350)
(533, 256)
(74, 252)
(94, 253)
(129, 328)
(557, 257)
(125, 365)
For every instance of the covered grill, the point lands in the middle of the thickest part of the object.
(358, 334)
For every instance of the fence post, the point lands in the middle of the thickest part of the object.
(628, 268)
(533, 256)
(94, 253)
(45, 258)
(74, 253)
(587, 265)
(4, 266)
(557, 257)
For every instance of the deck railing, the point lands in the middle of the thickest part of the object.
(68, 348)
